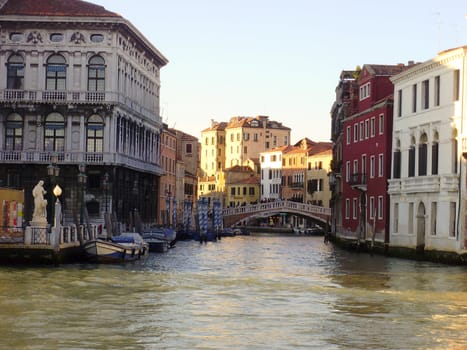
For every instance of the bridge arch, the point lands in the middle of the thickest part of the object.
(235, 215)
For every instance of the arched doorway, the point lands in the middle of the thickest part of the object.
(420, 228)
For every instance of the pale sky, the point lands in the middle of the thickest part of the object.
(281, 58)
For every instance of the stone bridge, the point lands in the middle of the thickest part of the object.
(234, 215)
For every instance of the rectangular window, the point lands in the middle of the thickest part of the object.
(364, 91)
(380, 207)
(422, 159)
(347, 208)
(347, 171)
(362, 131)
(355, 132)
(426, 94)
(355, 166)
(372, 166)
(232, 191)
(363, 165)
(380, 165)
(367, 129)
(188, 148)
(251, 191)
(434, 159)
(381, 124)
(372, 126)
(399, 103)
(437, 90)
(397, 165)
(414, 98)
(371, 208)
(354, 208)
(348, 135)
(456, 91)
(452, 219)
(411, 161)
(396, 218)
(434, 210)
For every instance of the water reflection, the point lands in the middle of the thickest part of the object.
(240, 293)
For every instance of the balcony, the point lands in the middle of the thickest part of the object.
(358, 181)
(77, 97)
(296, 185)
(420, 184)
(74, 158)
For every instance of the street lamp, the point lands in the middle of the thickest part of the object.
(58, 207)
(53, 171)
(82, 179)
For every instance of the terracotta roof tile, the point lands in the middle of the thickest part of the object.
(73, 8)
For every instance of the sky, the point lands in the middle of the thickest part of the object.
(281, 58)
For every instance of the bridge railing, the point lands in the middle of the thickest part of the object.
(278, 205)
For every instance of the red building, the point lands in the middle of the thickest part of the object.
(366, 155)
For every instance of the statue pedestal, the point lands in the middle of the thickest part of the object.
(41, 222)
(36, 233)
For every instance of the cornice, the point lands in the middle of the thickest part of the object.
(443, 59)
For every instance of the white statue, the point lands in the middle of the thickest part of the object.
(40, 204)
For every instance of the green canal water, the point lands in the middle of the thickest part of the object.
(245, 292)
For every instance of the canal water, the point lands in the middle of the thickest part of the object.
(244, 292)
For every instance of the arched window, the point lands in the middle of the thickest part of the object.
(54, 139)
(95, 134)
(14, 132)
(96, 74)
(422, 155)
(397, 160)
(56, 73)
(434, 154)
(15, 74)
(412, 158)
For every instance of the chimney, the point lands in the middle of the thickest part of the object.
(410, 63)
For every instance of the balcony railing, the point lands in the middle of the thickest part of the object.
(296, 185)
(41, 157)
(359, 179)
(77, 97)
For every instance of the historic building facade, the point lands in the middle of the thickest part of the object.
(237, 143)
(79, 85)
(428, 185)
(366, 156)
(344, 106)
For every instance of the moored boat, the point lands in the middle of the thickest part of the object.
(160, 239)
(127, 247)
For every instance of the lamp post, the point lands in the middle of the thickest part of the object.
(58, 206)
(82, 179)
(53, 171)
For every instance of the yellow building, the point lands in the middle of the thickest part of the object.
(242, 186)
(318, 167)
(237, 143)
(213, 149)
(247, 137)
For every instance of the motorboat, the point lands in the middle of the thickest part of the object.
(160, 239)
(128, 246)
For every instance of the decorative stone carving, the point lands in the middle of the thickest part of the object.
(34, 37)
(77, 38)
